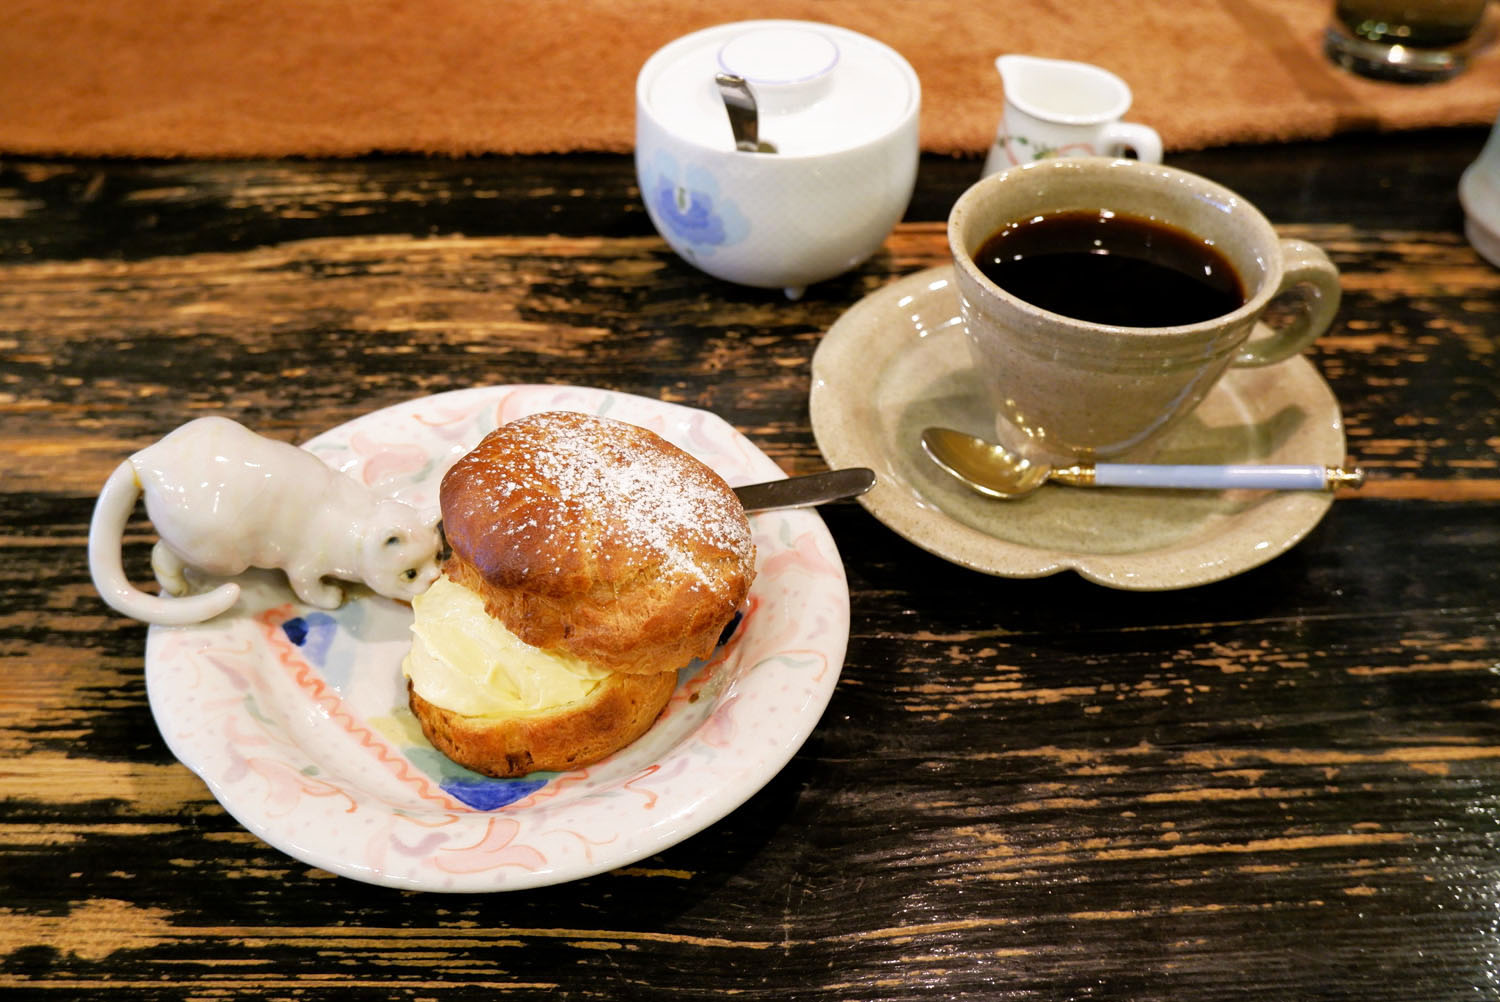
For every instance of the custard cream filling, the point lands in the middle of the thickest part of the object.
(463, 659)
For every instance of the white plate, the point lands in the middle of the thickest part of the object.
(297, 718)
(897, 362)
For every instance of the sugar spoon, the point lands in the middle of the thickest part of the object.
(744, 113)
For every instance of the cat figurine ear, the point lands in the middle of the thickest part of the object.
(224, 499)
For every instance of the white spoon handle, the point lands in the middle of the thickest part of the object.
(1272, 477)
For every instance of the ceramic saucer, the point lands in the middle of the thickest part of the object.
(897, 362)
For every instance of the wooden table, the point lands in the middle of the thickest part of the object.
(1280, 786)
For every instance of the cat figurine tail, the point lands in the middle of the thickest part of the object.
(106, 532)
(224, 499)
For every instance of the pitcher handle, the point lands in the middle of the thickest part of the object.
(1143, 140)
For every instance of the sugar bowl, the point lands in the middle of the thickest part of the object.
(776, 153)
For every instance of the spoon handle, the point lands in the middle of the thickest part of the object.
(1250, 475)
(739, 104)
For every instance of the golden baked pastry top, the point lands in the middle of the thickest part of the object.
(598, 538)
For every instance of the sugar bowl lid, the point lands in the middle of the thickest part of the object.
(819, 88)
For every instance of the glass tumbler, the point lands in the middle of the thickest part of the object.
(1411, 41)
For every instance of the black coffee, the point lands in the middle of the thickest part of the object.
(1112, 268)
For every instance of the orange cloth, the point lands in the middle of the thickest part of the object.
(230, 78)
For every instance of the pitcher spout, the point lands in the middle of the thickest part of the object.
(1061, 90)
(1012, 68)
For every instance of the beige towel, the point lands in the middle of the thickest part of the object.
(234, 78)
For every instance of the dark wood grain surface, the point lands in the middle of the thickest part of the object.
(1281, 786)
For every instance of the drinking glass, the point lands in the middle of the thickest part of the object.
(1411, 41)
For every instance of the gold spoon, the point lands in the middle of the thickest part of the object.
(994, 470)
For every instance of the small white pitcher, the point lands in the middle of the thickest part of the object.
(1058, 108)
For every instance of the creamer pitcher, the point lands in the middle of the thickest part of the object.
(1059, 108)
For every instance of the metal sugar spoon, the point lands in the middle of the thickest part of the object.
(995, 471)
(744, 115)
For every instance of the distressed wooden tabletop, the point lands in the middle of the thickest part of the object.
(1285, 785)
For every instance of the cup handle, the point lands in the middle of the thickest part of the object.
(1142, 139)
(1304, 266)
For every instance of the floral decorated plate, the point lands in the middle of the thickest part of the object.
(296, 718)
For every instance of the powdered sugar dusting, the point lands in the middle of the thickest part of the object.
(639, 495)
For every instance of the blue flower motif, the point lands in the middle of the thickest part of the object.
(485, 794)
(688, 203)
(313, 633)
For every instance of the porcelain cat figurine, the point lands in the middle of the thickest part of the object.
(224, 499)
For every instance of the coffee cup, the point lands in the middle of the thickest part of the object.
(1062, 108)
(1080, 293)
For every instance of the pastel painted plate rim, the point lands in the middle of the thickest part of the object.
(296, 719)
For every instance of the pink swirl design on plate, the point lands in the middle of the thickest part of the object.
(495, 850)
(442, 415)
(286, 787)
(384, 462)
(804, 555)
(425, 847)
(641, 777)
